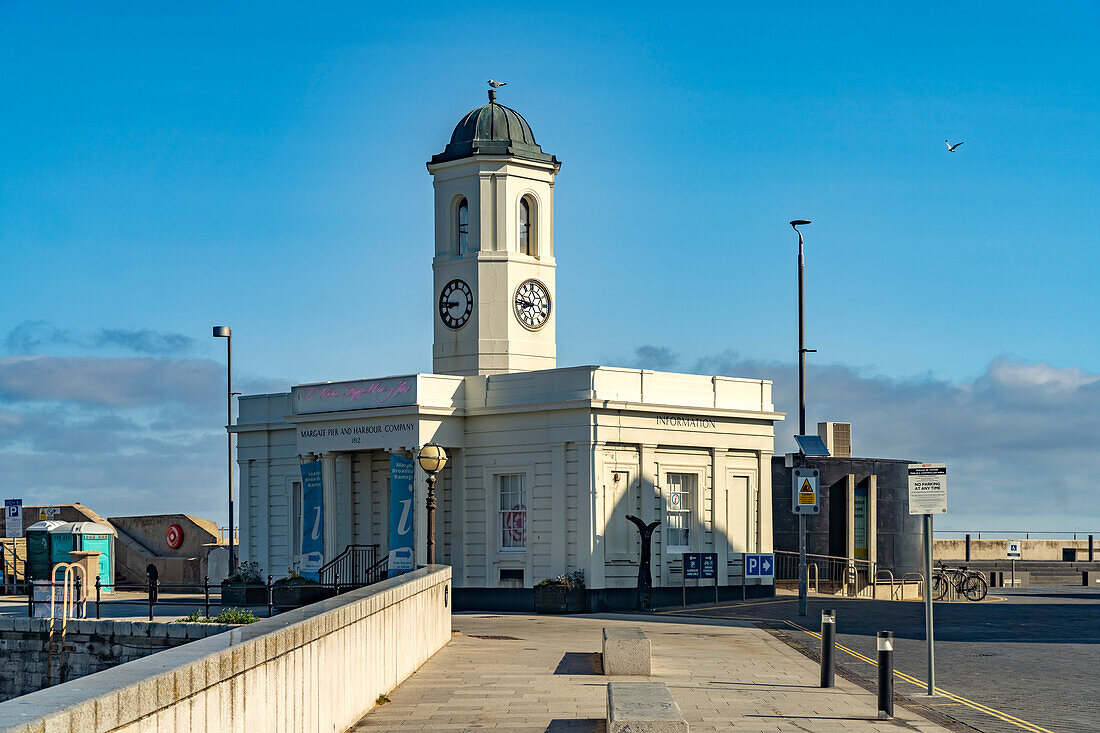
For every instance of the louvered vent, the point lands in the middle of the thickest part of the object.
(837, 437)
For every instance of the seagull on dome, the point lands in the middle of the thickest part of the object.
(496, 84)
(950, 147)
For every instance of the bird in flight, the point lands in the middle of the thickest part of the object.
(950, 147)
(495, 84)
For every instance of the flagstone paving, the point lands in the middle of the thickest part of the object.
(542, 673)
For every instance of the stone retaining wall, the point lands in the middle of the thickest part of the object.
(27, 664)
(319, 668)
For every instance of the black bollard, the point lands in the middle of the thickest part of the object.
(828, 647)
(885, 675)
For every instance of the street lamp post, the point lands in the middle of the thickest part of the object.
(802, 351)
(432, 459)
(226, 333)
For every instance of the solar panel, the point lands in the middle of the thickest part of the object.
(811, 445)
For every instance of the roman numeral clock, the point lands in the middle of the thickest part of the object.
(532, 304)
(456, 303)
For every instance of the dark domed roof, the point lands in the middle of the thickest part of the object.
(493, 130)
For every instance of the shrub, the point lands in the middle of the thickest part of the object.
(227, 616)
(247, 573)
(574, 579)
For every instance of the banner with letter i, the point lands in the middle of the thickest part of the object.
(401, 515)
(313, 521)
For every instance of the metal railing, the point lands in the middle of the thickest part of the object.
(355, 565)
(831, 575)
(10, 575)
(1025, 534)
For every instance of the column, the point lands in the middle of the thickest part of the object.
(345, 507)
(328, 493)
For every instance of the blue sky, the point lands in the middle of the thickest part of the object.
(262, 165)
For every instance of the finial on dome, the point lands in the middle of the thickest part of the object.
(494, 84)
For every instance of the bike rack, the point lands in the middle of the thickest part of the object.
(875, 590)
(917, 576)
(815, 574)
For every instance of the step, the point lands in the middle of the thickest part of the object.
(643, 707)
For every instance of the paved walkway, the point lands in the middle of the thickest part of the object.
(542, 673)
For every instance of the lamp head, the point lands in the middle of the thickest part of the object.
(432, 458)
(222, 332)
(798, 223)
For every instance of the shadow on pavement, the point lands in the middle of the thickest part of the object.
(580, 663)
(576, 725)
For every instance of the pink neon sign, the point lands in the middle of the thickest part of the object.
(375, 391)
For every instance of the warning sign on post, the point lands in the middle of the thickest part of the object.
(927, 488)
(804, 499)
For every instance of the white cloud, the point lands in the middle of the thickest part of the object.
(121, 435)
(1019, 440)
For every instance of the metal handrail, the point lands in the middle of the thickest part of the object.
(353, 565)
(919, 577)
(877, 574)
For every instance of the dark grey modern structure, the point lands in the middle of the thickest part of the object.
(864, 513)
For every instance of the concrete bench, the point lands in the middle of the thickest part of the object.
(626, 650)
(643, 707)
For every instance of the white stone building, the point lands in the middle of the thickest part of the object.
(545, 462)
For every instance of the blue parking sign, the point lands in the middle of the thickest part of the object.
(759, 565)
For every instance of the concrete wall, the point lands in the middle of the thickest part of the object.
(897, 533)
(26, 664)
(150, 530)
(983, 549)
(319, 668)
(69, 513)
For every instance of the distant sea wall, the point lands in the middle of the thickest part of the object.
(986, 549)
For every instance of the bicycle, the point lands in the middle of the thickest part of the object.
(970, 584)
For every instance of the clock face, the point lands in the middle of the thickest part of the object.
(532, 304)
(456, 303)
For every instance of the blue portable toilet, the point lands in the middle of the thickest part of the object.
(89, 536)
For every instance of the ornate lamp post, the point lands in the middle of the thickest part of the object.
(432, 459)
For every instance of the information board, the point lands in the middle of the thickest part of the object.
(692, 566)
(927, 488)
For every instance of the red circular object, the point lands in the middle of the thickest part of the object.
(174, 536)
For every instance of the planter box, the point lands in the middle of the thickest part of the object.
(559, 599)
(241, 595)
(288, 597)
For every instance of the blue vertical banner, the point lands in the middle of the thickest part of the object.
(313, 521)
(401, 557)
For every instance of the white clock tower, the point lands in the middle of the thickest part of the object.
(494, 295)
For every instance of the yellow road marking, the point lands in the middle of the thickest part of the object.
(734, 605)
(924, 685)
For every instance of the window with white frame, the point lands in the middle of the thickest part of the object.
(512, 512)
(679, 510)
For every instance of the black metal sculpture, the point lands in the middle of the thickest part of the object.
(645, 583)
